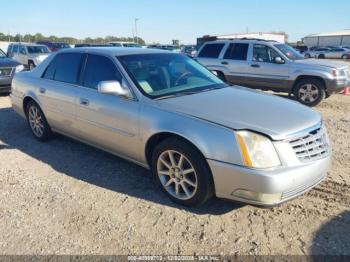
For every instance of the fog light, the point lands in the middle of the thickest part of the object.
(258, 197)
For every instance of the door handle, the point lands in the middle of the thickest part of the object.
(84, 102)
(255, 65)
(224, 63)
(42, 90)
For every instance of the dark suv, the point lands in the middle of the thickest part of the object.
(8, 68)
(54, 46)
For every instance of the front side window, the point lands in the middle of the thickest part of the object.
(64, 68)
(237, 52)
(289, 52)
(263, 53)
(211, 50)
(99, 68)
(37, 49)
(159, 75)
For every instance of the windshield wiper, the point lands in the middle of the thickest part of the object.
(177, 95)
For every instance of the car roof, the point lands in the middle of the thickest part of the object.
(28, 44)
(242, 40)
(115, 51)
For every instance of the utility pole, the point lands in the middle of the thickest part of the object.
(137, 40)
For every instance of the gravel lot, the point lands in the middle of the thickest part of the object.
(64, 197)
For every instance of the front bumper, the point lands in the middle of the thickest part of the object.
(336, 85)
(5, 84)
(288, 182)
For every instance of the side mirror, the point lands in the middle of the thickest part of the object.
(279, 60)
(114, 88)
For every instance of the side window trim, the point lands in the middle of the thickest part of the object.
(124, 79)
(266, 46)
(53, 78)
(81, 80)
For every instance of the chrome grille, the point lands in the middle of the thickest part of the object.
(6, 71)
(312, 146)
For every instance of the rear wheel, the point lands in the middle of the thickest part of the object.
(37, 122)
(322, 56)
(345, 57)
(307, 56)
(310, 91)
(182, 172)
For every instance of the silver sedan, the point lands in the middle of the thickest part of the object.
(166, 112)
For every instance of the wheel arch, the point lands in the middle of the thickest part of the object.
(302, 77)
(157, 138)
(26, 100)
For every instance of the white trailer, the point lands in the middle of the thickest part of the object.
(339, 38)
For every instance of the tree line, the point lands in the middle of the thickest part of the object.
(69, 40)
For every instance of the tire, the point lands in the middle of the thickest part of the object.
(344, 57)
(307, 56)
(321, 56)
(199, 184)
(309, 91)
(37, 122)
(31, 65)
(221, 76)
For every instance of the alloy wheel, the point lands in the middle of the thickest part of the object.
(36, 121)
(177, 175)
(308, 93)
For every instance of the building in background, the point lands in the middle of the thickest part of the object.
(339, 38)
(274, 36)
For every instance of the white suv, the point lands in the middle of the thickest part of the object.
(270, 65)
(29, 55)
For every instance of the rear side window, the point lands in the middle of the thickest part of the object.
(64, 68)
(99, 68)
(211, 50)
(237, 52)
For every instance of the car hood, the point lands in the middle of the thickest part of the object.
(242, 108)
(8, 62)
(321, 63)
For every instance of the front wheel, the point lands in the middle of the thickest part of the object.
(182, 172)
(310, 92)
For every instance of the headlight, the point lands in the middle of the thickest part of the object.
(19, 68)
(257, 151)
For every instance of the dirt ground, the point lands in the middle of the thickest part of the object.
(64, 197)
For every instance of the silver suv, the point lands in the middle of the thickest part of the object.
(29, 55)
(270, 65)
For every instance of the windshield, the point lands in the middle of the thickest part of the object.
(159, 75)
(2, 54)
(37, 49)
(289, 52)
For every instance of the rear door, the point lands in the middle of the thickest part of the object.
(235, 62)
(210, 55)
(264, 72)
(106, 120)
(58, 92)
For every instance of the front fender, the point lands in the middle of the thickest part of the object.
(212, 140)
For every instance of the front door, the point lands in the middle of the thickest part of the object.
(264, 72)
(106, 120)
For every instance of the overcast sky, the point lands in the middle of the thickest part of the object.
(162, 20)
